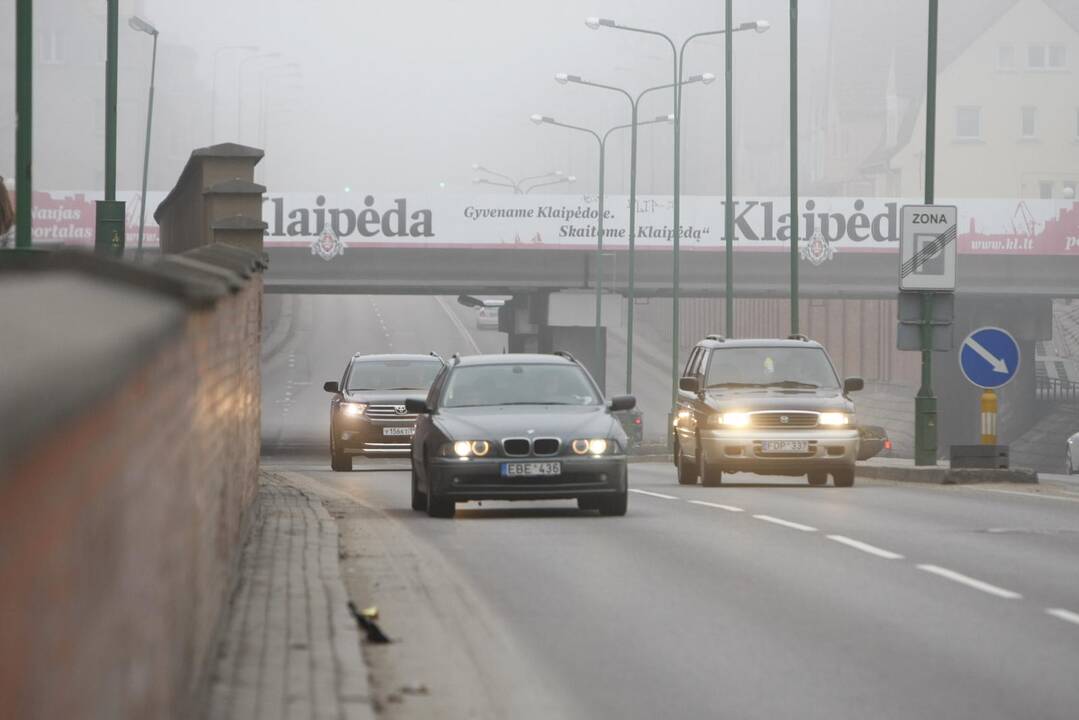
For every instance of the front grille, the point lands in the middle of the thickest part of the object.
(545, 480)
(784, 420)
(546, 446)
(389, 412)
(516, 447)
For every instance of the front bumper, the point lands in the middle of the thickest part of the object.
(481, 479)
(364, 436)
(740, 450)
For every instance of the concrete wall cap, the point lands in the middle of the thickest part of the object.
(206, 268)
(228, 150)
(238, 222)
(242, 262)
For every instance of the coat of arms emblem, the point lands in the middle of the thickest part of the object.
(817, 250)
(328, 245)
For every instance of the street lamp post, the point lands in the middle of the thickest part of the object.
(794, 164)
(239, 88)
(110, 215)
(634, 107)
(595, 23)
(213, 85)
(140, 25)
(512, 182)
(560, 181)
(602, 142)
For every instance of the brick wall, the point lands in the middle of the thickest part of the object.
(121, 518)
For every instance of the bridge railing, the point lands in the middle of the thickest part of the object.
(1056, 390)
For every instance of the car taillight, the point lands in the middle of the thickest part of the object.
(636, 421)
(887, 444)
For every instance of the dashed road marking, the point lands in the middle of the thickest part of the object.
(1065, 615)
(866, 547)
(653, 494)
(728, 508)
(971, 582)
(786, 523)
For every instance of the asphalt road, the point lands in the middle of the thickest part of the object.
(759, 599)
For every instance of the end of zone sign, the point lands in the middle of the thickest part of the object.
(927, 247)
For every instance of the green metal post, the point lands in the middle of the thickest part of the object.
(146, 152)
(728, 210)
(24, 121)
(112, 36)
(925, 404)
(677, 230)
(632, 249)
(110, 220)
(794, 164)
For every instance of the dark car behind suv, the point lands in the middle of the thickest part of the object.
(367, 412)
(772, 407)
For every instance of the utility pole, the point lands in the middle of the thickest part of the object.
(728, 217)
(24, 121)
(925, 404)
(794, 164)
(111, 215)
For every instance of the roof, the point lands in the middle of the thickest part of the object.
(395, 356)
(514, 359)
(760, 342)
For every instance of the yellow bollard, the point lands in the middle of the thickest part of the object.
(989, 417)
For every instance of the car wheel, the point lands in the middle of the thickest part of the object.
(818, 478)
(438, 506)
(711, 475)
(419, 499)
(339, 461)
(613, 505)
(687, 470)
(843, 478)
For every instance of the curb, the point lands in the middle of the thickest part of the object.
(947, 476)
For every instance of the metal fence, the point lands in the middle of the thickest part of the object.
(1056, 390)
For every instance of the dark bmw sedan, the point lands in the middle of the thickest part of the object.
(518, 427)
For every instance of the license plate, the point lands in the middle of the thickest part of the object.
(406, 431)
(531, 469)
(785, 446)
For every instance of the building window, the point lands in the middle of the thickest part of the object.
(1006, 57)
(1045, 189)
(1027, 127)
(968, 123)
(1068, 190)
(1036, 57)
(1058, 57)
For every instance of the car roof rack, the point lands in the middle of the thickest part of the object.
(435, 354)
(715, 336)
(565, 354)
(456, 357)
(798, 336)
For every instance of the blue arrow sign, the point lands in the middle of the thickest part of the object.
(989, 357)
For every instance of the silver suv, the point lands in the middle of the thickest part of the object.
(772, 407)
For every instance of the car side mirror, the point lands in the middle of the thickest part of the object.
(417, 407)
(853, 384)
(331, 386)
(623, 402)
(689, 384)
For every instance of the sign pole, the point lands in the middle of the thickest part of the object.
(989, 417)
(24, 124)
(925, 404)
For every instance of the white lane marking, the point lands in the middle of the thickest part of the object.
(786, 523)
(866, 547)
(728, 508)
(459, 325)
(1025, 494)
(653, 494)
(1066, 615)
(971, 582)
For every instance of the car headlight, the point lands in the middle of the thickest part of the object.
(468, 448)
(592, 446)
(731, 419)
(352, 409)
(834, 419)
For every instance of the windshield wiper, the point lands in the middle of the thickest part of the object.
(405, 388)
(360, 389)
(792, 384)
(529, 402)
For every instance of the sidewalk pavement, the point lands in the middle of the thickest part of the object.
(290, 649)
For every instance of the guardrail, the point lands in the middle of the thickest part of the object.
(1056, 390)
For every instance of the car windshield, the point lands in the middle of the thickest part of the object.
(783, 367)
(403, 374)
(519, 384)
